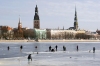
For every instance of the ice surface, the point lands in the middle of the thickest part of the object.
(71, 57)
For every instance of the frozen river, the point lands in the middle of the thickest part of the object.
(16, 57)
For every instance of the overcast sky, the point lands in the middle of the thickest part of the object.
(53, 13)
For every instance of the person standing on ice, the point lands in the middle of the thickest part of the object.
(36, 49)
(56, 47)
(77, 48)
(49, 48)
(21, 47)
(64, 48)
(8, 48)
(93, 49)
(29, 57)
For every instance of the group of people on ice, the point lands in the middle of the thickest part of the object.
(55, 48)
(50, 50)
(21, 47)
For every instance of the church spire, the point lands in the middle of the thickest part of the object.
(36, 19)
(36, 16)
(19, 24)
(75, 14)
(75, 20)
(19, 19)
(36, 9)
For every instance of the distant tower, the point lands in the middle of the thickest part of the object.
(75, 21)
(19, 33)
(36, 19)
(19, 25)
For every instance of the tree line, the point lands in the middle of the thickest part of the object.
(26, 34)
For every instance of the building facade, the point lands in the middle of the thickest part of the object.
(40, 33)
(6, 32)
(60, 34)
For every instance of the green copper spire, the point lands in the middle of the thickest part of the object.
(75, 15)
(75, 20)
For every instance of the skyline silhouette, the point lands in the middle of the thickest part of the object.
(53, 14)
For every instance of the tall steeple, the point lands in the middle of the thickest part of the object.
(19, 24)
(36, 9)
(75, 20)
(75, 14)
(19, 30)
(19, 19)
(36, 16)
(36, 19)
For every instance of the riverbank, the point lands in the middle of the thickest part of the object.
(69, 40)
(50, 41)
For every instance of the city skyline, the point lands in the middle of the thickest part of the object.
(53, 14)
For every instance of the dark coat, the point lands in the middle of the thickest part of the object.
(29, 57)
